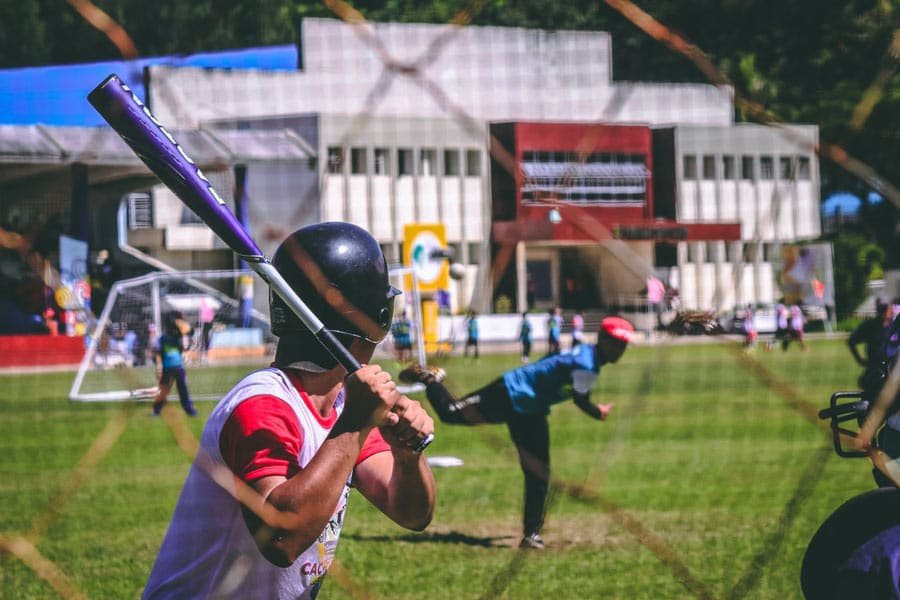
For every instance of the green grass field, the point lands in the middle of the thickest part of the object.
(708, 481)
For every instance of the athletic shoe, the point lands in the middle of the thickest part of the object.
(532, 542)
(422, 374)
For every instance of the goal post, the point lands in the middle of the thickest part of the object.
(118, 361)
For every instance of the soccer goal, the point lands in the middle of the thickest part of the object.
(118, 364)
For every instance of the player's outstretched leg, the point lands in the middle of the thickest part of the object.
(531, 435)
(489, 404)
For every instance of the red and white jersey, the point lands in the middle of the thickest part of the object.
(208, 550)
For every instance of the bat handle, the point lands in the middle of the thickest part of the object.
(424, 443)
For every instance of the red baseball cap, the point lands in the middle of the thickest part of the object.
(617, 328)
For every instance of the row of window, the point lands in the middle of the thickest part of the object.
(453, 163)
(606, 158)
(596, 179)
(586, 192)
(734, 252)
(726, 167)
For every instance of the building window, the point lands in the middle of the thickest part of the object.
(734, 252)
(695, 252)
(771, 252)
(689, 164)
(600, 178)
(751, 251)
(709, 167)
(427, 161)
(451, 162)
(382, 161)
(473, 163)
(728, 167)
(335, 160)
(474, 253)
(358, 159)
(784, 168)
(404, 162)
(766, 168)
(747, 168)
(803, 168)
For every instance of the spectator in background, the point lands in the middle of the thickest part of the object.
(749, 324)
(170, 363)
(554, 331)
(471, 333)
(656, 296)
(401, 332)
(50, 321)
(781, 327)
(525, 337)
(207, 316)
(796, 321)
(577, 328)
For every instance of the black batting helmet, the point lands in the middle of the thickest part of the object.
(340, 273)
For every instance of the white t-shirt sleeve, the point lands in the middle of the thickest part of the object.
(582, 381)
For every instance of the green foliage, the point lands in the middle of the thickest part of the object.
(699, 455)
(808, 61)
(857, 260)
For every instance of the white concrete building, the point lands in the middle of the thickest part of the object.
(398, 116)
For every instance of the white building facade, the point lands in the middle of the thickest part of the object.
(398, 116)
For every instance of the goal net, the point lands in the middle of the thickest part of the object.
(118, 363)
(225, 338)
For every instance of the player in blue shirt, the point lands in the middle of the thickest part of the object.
(170, 365)
(522, 397)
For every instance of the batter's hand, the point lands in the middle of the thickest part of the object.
(370, 397)
(413, 425)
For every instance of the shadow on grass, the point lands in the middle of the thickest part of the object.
(451, 537)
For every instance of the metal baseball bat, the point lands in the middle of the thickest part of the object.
(154, 145)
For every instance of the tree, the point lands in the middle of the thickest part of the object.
(856, 262)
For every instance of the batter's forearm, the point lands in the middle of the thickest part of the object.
(411, 491)
(305, 503)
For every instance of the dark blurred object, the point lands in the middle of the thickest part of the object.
(695, 322)
(104, 273)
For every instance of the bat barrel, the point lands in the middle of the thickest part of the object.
(154, 145)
